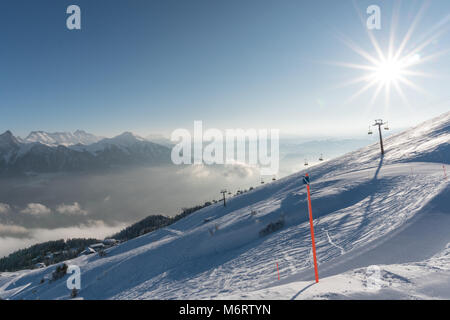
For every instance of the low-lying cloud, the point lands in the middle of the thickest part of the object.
(4, 208)
(229, 171)
(51, 207)
(12, 230)
(71, 209)
(36, 209)
(17, 237)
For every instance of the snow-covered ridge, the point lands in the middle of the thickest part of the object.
(62, 138)
(123, 141)
(390, 211)
(44, 152)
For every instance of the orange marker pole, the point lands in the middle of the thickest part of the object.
(278, 271)
(312, 232)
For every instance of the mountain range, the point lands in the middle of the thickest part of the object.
(79, 151)
(61, 138)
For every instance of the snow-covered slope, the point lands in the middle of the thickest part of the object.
(368, 210)
(428, 279)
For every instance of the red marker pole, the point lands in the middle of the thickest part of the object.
(278, 272)
(312, 230)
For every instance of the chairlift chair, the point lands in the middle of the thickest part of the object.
(321, 157)
(386, 127)
(370, 130)
(306, 162)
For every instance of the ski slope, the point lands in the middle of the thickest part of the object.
(391, 211)
(427, 279)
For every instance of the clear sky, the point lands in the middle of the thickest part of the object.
(152, 66)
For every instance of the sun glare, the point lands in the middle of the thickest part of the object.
(393, 68)
(388, 71)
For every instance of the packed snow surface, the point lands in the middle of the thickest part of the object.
(381, 224)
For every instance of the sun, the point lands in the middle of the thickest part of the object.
(392, 70)
(388, 71)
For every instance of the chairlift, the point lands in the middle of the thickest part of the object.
(306, 162)
(370, 130)
(321, 157)
(386, 127)
(273, 179)
(262, 181)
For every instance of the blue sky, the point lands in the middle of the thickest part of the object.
(153, 66)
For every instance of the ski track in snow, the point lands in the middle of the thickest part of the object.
(331, 241)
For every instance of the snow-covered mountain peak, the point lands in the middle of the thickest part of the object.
(129, 135)
(62, 138)
(124, 139)
(8, 140)
(79, 132)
